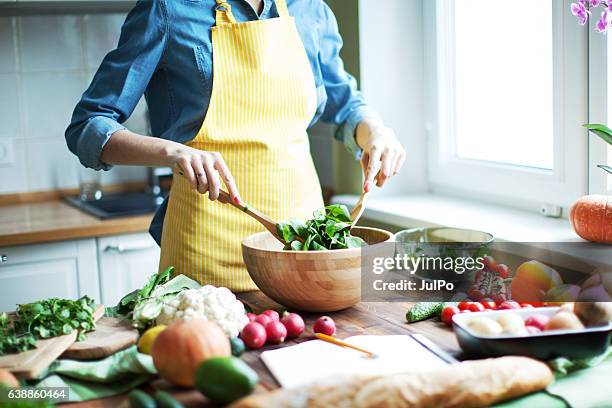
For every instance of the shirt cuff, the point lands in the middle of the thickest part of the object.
(96, 134)
(346, 132)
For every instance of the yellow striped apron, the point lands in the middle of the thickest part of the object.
(262, 101)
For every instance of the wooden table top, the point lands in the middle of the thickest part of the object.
(55, 220)
(364, 318)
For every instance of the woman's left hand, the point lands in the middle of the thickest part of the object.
(383, 155)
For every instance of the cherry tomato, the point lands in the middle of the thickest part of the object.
(525, 305)
(476, 307)
(475, 294)
(447, 314)
(488, 303)
(503, 271)
(464, 304)
(489, 263)
(508, 304)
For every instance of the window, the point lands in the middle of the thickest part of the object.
(507, 95)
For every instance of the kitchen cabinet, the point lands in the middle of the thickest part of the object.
(126, 262)
(67, 269)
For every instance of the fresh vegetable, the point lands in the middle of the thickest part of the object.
(516, 331)
(218, 305)
(484, 326)
(476, 307)
(251, 316)
(329, 229)
(463, 305)
(564, 321)
(594, 313)
(488, 304)
(144, 305)
(492, 282)
(237, 345)
(533, 330)
(183, 345)
(272, 314)
(263, 319)
(325, 325)
(423, 310)
(508, 304)
(165, 400)
(140, 399)
(254, 335)
(275, 332)
(225, 379)
(598, 288)
(532, 280)
(8, 379)
(447, 314)
(510, 322)
(562, 294)
(45, 319)
(145, 343)
(294, 324)
(591, 218)
(538, 321)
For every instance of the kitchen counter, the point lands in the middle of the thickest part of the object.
(364, 318)
(54, 220)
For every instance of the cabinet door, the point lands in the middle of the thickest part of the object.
(33, 272)
(126, 262)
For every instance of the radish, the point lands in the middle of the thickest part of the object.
(251, 316)
(325, 325)
(272, 314)
(263, 319)
(293, 323)
(276, 332)
(538, 320)
(253, 335)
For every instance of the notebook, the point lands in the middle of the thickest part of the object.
(313, 360)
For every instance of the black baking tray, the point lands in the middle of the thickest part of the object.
(588, 342)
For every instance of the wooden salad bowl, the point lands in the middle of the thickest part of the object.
(311, 281)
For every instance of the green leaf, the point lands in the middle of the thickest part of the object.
(604, 132)
(67, 329)
(297, 246)
(605, 168)
(355, 242)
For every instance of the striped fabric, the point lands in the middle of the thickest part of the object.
(262, 101)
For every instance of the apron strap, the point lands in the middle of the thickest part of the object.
(281, 7)
(224, 13)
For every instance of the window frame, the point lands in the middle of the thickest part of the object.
(523, 187)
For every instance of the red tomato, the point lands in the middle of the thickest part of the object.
(466, 311)
(476, 307)
(525, 305)
(464, 304)
(447, 314)
(488, 303)
(503, 271)
(508, 304)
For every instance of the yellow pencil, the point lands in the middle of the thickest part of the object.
(341, 343)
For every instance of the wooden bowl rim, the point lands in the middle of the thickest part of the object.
(347, 251)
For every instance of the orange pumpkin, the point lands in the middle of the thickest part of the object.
(591, 218)
(184, 345)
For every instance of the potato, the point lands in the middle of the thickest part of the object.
(564, 321)
(510, 321)
(516, 331)
(594, 313)
(484, 326)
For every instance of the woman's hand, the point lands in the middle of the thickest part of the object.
(204, 170)
(383, 155)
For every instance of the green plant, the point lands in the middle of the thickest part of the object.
(328, 229)
(605, 133)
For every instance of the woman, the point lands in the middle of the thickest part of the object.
(231, 88)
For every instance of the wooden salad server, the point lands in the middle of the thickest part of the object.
(358, 209)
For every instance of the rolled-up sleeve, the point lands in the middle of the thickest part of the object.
(119, 83)
(345, 104)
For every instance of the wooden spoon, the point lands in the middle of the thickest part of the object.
(357, 211)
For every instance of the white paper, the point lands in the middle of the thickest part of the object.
(316, 359)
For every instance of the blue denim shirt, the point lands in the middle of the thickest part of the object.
(165, 52)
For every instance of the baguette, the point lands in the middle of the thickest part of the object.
(472, 384)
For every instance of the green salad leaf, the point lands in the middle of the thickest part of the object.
(329, 228)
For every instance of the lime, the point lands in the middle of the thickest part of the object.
(225, 379)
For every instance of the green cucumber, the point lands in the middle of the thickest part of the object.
(237, 346)
(140, 399)
(165, 400)
(423, 310)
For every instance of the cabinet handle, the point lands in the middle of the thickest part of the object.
(123, 248)
(3, 258)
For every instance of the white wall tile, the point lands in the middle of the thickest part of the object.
(102, 33)
(7, 46)
(50, 43)
(13, 177)
(51, 165)
(49, 100)
(9, 106)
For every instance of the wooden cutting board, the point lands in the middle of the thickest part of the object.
(111, 335)
(29, 364)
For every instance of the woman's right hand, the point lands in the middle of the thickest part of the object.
(204, 171)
